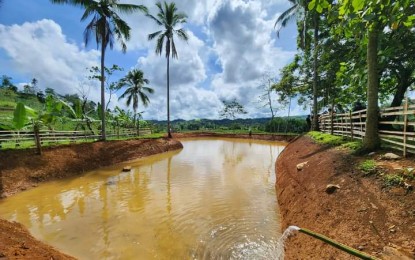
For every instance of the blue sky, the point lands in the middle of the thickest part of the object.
(232, 45)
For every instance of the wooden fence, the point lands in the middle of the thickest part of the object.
(12, 139)
(396, 126)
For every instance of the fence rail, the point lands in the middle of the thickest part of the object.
(11, 139)
(396, 126)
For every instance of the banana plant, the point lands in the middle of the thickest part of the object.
(77, 113)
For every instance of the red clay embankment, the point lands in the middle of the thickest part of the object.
(361, 214)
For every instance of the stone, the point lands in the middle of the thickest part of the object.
(395, 252)
(408, 186)
(372, 153)
(126, 169)
(390, 156)
(330, 188)
(300, 166)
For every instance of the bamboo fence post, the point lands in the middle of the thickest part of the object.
(351, 124)
(37, 139)
(405, 124)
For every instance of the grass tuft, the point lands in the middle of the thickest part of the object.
(328, 139)
(368, 167)
(390, 180)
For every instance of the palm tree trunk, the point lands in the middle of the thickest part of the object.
(371, 140)
(269, 99)
(103, 132)
(315, 76)
(168, 97)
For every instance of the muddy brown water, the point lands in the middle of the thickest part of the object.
(214, 199)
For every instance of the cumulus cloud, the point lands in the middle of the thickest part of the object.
(231, 44)
(41, 50)
(245, 47)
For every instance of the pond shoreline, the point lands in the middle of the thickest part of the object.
(23, 169)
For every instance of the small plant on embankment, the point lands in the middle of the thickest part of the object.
(367, 167)
(390, 180)
(333, 140)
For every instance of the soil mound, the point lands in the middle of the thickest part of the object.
(359, 211)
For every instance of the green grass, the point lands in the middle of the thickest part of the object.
(353, 146)
(334, 140)
(390, 180)
(368, 167)
(328, 139)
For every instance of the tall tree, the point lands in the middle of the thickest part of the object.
(136, 91)
(168, 18)
(300, 8)
(374, 18)
(107, 26)
(231, 109)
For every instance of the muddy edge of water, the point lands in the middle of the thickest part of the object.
(23, 169)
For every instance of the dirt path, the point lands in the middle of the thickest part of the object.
(361, 214)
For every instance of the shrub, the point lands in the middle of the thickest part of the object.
(368, 166)
(390, 180)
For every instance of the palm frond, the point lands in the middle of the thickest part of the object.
(160, 42)
(182, 34)
(285, 17)
(174, 52)
(153, 35)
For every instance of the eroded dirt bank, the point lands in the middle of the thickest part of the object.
(362, 214)
(23, 169)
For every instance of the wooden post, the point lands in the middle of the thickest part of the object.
(37, 138)
(360, 121)
(351, 124)
(331, 123)
(405, 125)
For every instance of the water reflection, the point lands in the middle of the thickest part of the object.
(213, 199)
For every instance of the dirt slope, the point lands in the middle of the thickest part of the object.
(361, 214)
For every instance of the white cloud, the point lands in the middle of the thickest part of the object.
(245, 47)
(232, 43)
(40, 50)
(239, 36)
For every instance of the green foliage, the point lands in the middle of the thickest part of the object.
(19, 116)
(352, 146)
(231, 109)
(390, 180)
(287, 125)
(328, 139)
(368, 167)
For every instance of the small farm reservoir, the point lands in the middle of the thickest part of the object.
(214, 199)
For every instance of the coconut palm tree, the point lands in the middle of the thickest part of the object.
(168, 18)
(300, 8)
(107, 27)
(135, 82)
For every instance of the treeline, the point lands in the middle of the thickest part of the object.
(351, 51)
(50, 110)
(296, 124)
